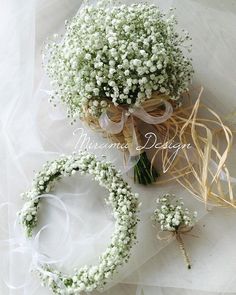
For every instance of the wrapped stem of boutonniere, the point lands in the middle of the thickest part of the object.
(176, 220)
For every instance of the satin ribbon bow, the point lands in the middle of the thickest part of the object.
(141, 113)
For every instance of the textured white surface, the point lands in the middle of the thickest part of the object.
(32, 131)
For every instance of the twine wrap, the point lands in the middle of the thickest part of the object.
(183, 250)
(177, 234)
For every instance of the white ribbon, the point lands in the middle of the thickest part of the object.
(19, 244)
(114, 128)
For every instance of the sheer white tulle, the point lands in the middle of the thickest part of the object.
(75, 224)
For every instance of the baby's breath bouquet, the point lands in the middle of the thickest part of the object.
(116, 60)
(123, 70)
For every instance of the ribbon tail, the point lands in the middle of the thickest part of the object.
(112, 127)
(154, 120)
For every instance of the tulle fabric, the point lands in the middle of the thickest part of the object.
(33, 131)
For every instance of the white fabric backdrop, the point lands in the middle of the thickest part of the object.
(33, 131)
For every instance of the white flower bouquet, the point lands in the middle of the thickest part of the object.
(118, 55)
(122, 68)
(122, 56)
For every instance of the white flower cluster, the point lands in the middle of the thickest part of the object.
(123, 202)
(117, 54)
(171, 216)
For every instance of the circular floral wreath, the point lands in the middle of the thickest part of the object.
(123, 202)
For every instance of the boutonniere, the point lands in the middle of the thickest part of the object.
(175, 220)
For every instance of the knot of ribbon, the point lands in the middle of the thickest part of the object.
(123, 121)
(168, 235)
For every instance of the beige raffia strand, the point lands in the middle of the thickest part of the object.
(197, 175)
(185, 126)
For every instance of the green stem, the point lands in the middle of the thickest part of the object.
(143, 172)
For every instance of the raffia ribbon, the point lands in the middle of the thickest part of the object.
(203, 170)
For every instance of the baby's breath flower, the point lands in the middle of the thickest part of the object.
(120, 53)
(171, 215)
